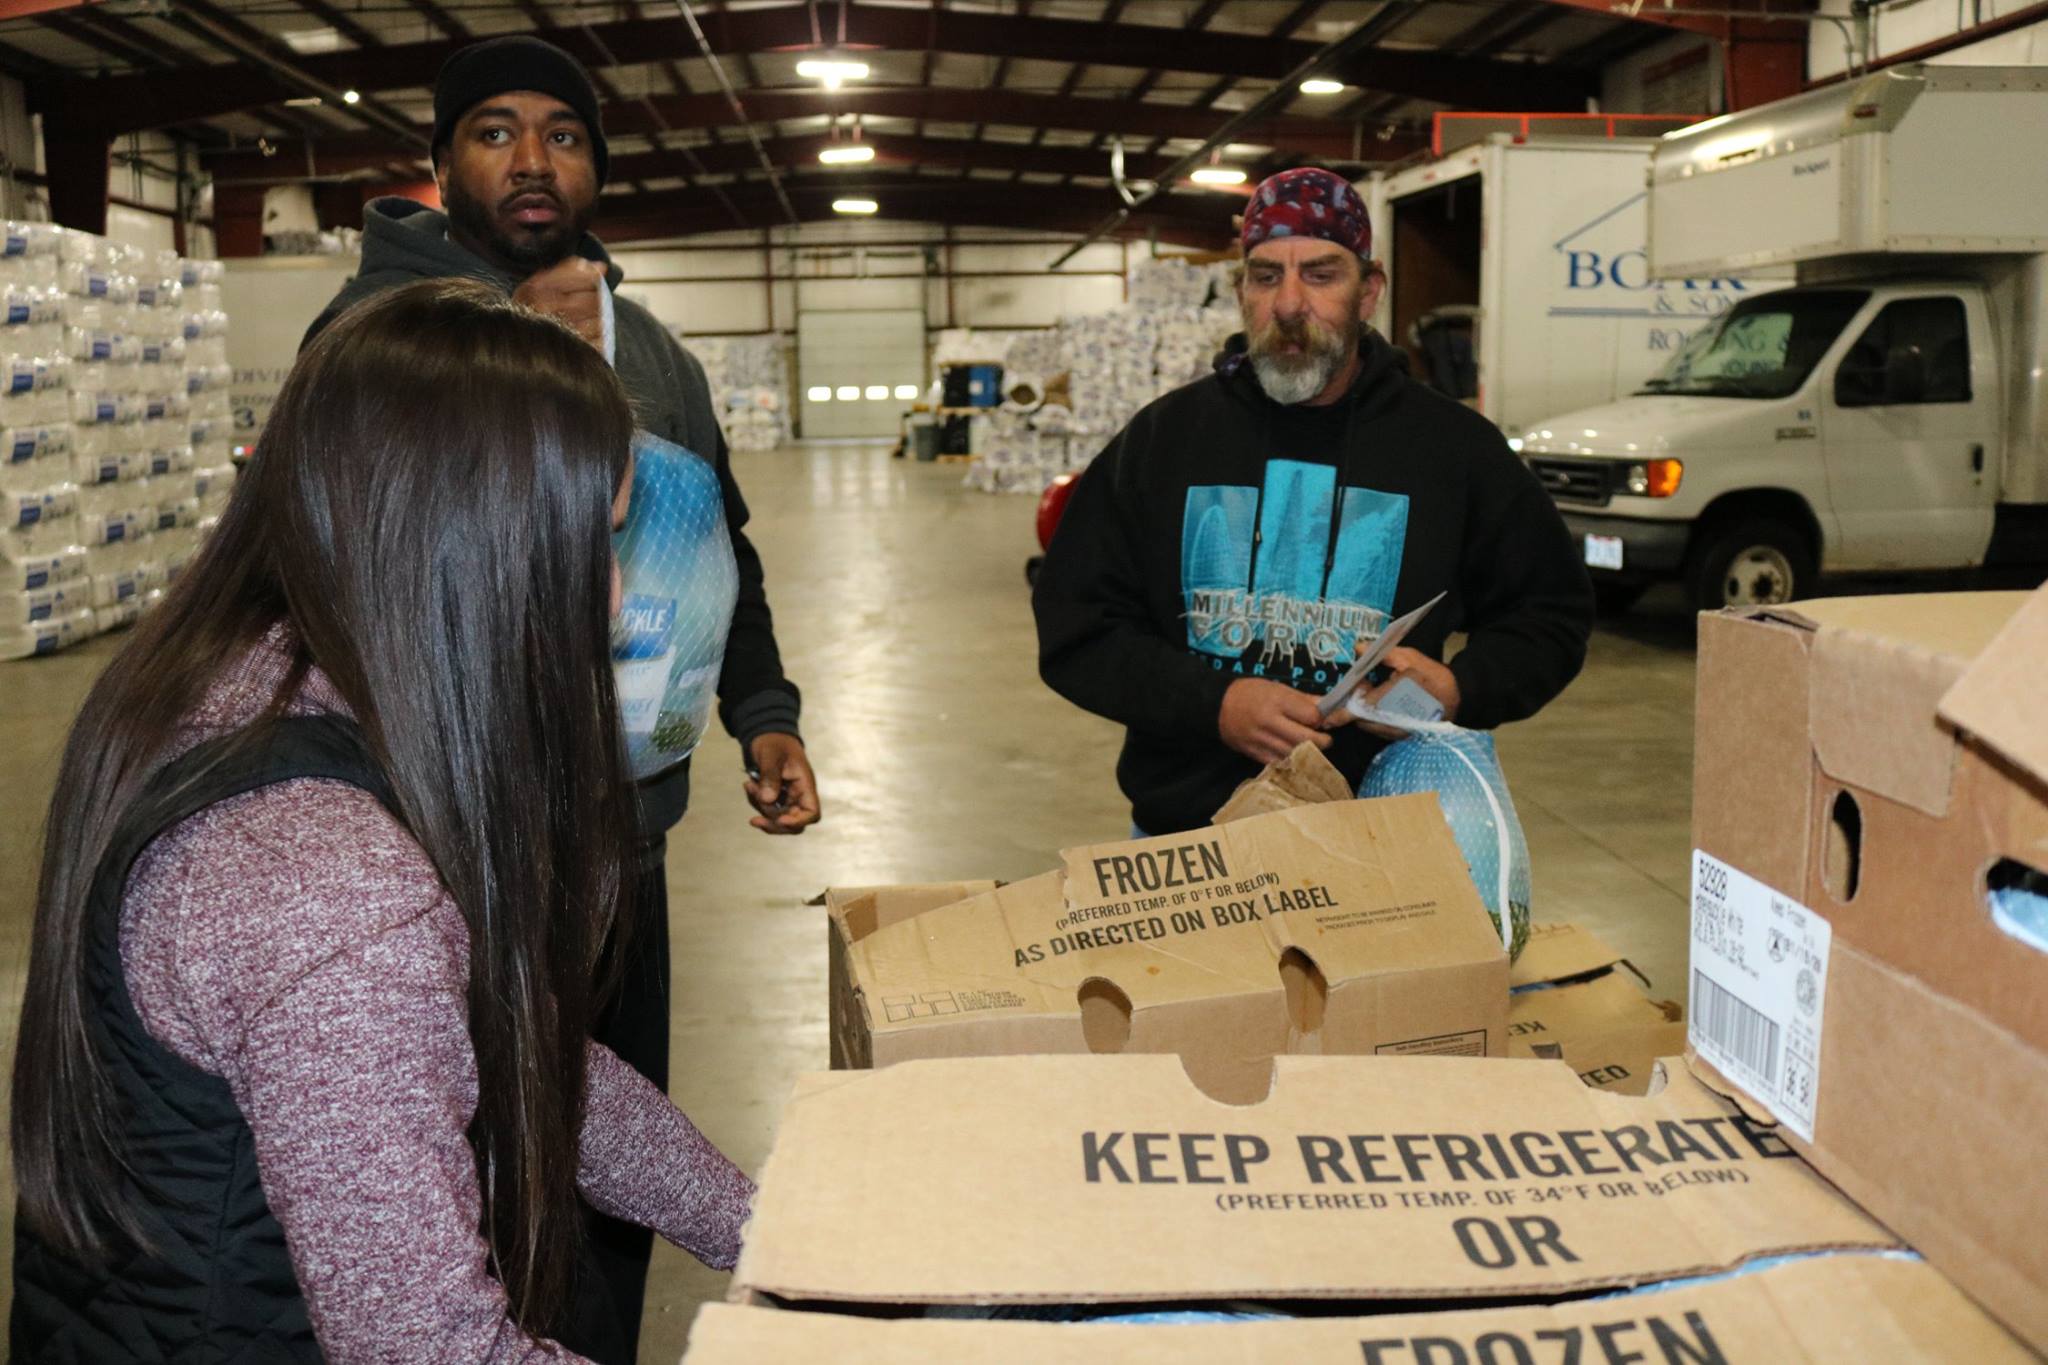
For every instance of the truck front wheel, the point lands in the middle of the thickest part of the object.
(1752, 562)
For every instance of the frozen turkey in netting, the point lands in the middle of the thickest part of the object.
(1464, 771)
(680, 584)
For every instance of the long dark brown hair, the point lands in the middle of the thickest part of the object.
(429, 509)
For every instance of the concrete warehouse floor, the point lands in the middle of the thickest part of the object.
(903, 613)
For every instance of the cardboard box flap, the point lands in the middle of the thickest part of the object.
(1386, 868)
(1196, 916)
(1606, 1004)
(1821, 1311)
(1303, 778)
(1998, 697)
(1881, 666)
(1113, 1179)
(864, 909)
(1564, 952)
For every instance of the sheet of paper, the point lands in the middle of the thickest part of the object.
(1368, 661)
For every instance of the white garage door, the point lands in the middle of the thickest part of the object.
(859, 369)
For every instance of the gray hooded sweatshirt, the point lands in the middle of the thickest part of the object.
(404, 241)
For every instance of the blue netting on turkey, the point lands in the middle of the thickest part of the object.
(680, 580)
(1461, 767)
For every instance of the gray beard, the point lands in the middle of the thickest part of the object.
(1295, 380)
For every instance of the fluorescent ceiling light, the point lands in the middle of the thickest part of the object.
(878, 391)
(1217, 175)
(848, 392)
(819, 393)
(833, 73)
(906, 390)
(304, 102)
(854, 206)
(1319, 86)
(846, 154)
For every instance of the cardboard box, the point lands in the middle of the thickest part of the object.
(1578, 1001)
(851, 914)
(1823, 1311)
(1069, 1180)
(1350, 927)
(1864, 766)
(1303, 778)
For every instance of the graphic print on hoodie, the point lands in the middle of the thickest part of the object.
(1287, 580)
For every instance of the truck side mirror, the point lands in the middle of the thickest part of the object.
(1905, 375)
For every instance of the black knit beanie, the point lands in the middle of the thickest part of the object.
(517, 61)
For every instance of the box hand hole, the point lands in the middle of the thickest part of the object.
(1842, 860)
(2017, 896)
(1105, 1015)
(1308, 995)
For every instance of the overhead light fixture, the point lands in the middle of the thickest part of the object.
(847, 393)
(819, 393)
(1318, 86)
(906, 390)
(846, 153)
(832, 71)
(854, 206)
(351, 97)
(304, 102)
(874, 391)
(1217, 175)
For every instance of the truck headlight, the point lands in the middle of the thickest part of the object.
(1655, 478)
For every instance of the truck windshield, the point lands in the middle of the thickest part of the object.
(1763, 347)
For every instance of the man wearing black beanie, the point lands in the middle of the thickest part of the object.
(519, 157)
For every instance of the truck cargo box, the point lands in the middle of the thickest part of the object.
(1916, 159)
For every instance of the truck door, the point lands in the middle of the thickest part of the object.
(1910, 435)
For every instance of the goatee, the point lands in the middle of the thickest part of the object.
(1293, 378)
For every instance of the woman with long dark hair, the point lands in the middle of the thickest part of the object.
(304, 1069)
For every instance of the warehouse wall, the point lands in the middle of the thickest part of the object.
(1900, 28)
(1684, 74)
(142, 181)
(751, 282)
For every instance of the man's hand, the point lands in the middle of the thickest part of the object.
(1433, 677)
(1265, 720)
(786, 790)
(568, 290)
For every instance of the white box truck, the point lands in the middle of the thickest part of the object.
(1889, 412)
(273, 300)
(1523, 263)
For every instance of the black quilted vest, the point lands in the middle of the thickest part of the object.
(216, 1286)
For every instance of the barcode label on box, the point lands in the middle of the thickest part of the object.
(1759, 985)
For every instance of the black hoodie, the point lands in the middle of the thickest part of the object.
(404, 241)
(1222, 535)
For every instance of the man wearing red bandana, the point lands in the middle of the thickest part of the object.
(1246, 536)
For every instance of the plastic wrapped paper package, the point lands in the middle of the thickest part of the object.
(1464, 771)
(105, 466)
(213, 485)
(127, 582)
(117, 526)
(680, 581)
(46, 636)
(44, 441)
(749, 388)
(26, 607)
(121, 615)
(26, 509)
(972, 346)
(26, 569)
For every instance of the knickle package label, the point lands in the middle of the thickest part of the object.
(1759, 988)
(1115, 1179)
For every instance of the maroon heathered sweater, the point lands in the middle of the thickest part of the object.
(295, 942)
